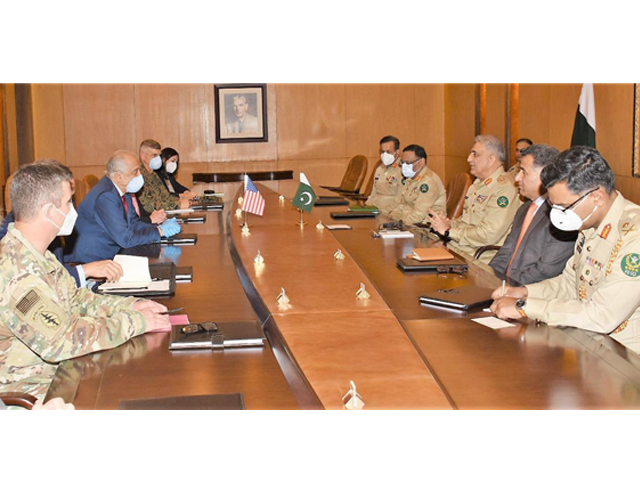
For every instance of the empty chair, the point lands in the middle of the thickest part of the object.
(456, 191)
(353, 177)
(91, 181)
(366, 193)
(7, 199)
(84, 186)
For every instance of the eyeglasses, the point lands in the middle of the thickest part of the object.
(411, 163)
(574, 204)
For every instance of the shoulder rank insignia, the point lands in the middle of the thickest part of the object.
(605, 231)
(630, 265)
(502, 202)
(628, 228)
(488, 181)
(424, 188)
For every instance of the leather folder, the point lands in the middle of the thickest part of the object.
(231, 401)
(180, 239)
(228, 335)
(336, 215)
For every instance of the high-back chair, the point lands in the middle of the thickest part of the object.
(456, 191)
(7, 198)
(354, 176)
(366, 193)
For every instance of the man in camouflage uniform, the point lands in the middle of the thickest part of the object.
(421, 188)
(387, 176)
(599, 289)
(490, 204)
(154, 196)
(44, 317)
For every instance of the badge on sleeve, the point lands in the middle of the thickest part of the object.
(424, 188)
(630, 265)
(34, 310)
(503, 202)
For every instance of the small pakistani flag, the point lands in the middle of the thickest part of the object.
(305, 197)
(584, 129)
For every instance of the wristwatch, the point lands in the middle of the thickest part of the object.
(520, 304)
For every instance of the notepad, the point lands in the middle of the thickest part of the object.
(339, 226)
(179, 211)
(135, 274)
(492, 322)
(395, 234)
(431, 254)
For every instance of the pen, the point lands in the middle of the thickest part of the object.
(503, 285)
(169, 312)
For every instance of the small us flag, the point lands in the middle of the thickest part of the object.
(252, 201)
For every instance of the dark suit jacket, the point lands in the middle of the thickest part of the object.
(103, 227)
(55, 247)
(543, 252)
(164, 176)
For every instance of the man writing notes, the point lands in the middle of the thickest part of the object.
(420, 188)
(107, 219)
(599, 289)
(534, 249)
(490, 203)
(44, 317)
(387, 177)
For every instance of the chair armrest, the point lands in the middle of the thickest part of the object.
(18, 399)
(486, 248)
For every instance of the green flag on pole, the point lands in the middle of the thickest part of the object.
(584, 128)
(305, 197)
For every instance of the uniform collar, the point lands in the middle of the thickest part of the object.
(612, 217)
(44, 260)
(491, 179)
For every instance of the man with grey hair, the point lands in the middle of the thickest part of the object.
(107, 220)
(107, 269)
(534, 249)
(490, 203)
(44, 317)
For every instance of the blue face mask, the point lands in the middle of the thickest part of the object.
(135, 184)
(155, 163)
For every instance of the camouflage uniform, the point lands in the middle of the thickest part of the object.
(154, 195)
(599, 289)
(417, 195)
(487, 214)
(45, 318)
(386, 182)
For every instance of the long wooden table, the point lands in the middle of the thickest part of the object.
(400, 354)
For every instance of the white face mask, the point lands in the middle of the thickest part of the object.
(569, 220)
(135, 184)
(407, 170)
(171, 167)
(68, 224)
(155, 163)
(387, 159)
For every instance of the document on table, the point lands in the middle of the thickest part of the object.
(135, 274)
(179, 211)
(492, 322)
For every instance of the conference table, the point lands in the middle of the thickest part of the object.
(400, 355)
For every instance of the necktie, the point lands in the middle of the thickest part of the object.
(124, 204)
(525, 226)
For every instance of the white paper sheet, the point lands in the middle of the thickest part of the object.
(492, 322)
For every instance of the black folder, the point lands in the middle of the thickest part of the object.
(352, 215)
(180, 239)
(229, 401)
(228, 335)
(208, 204)
(333, 201)
(442, 266)
(189, 218)
(460, 298)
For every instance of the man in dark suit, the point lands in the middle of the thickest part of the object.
(534, 249)
(107, 218)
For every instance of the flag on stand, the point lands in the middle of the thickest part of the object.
(252, 201)
(305, 197)
(584, 129)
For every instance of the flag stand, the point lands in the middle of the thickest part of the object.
(245, 221)
(301, 223)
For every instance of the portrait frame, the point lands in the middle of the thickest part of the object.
(241, 112)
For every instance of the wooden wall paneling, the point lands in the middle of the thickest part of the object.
(460, 124)
(562, 113)
(175, 116)
(48, 121)
(534, 116)
(311, 121)
(99, 119)
(614, 125)
(24, 122)
(513, 122)
(3, 170)
(376, 110)
(496, 110)
(11, 133)
(429, 101)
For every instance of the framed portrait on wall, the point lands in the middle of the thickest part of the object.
(241, 113)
